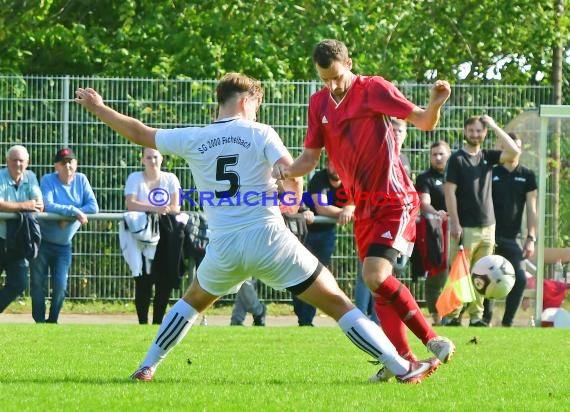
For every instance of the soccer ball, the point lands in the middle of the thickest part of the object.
(493, 276)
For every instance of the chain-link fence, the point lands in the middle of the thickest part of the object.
(39, 112)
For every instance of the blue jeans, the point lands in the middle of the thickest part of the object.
(16, 278)
(363, 297)
(56, 259)
(321, 244)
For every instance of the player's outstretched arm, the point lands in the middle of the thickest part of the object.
(129, 127)
(306, 162)
(427, 119)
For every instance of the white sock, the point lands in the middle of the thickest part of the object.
(174, 327)
(368, 336)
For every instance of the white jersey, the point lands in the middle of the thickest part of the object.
(136, 185)
(231, 161)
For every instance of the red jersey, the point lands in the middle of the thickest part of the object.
(358, 137)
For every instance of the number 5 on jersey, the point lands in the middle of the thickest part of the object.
(223, 173)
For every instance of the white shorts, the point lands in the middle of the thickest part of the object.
(269, 252)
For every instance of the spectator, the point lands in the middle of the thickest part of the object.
(246, 239)
(432, 205)
(324, 189)
(514, 187)
(67, 193)
(468, 197)
(247, 301)
(19, 192)
(141, 195)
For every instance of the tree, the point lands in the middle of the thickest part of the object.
(409, 40)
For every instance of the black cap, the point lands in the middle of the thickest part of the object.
(63, 154)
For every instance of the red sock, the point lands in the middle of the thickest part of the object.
(392, 325)
(406, 307)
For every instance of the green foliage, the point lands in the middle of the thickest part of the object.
(407, 40)
(86, 367)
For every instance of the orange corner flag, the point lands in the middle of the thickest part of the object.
(458, 288)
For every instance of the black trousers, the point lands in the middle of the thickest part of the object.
(510, 249)
(143, 296)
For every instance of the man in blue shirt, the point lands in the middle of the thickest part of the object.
(19, 192)
(68, 193)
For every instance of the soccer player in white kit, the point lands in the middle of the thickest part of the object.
(232, 161)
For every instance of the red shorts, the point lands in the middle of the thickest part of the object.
(393, 226)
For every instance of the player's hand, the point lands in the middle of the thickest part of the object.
(440, 92)
(89, 98)
(280, 172)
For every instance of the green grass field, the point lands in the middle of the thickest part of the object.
(86, 368)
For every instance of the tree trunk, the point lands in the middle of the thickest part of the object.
(557, 126)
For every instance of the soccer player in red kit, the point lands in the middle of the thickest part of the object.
(350, 118)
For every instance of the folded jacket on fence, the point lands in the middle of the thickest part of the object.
(139, 233)
(23, 236)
